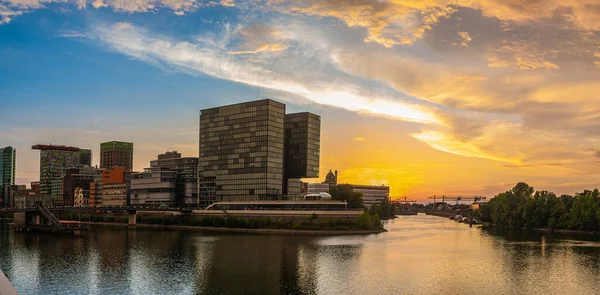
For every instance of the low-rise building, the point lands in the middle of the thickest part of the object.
(155, 187)
(186, 174)
(82, 197)
(12, 192)
(114, 194)
(77, 177)
(371, 194)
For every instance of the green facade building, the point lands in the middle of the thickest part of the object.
(116, 153)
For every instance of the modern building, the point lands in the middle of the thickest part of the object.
(115, 194)
(8, 161)
(55, 159)
(57, 191)
(155, 187)
(371, 194)
(114, 188)
(302, 151)
(243, 150)
(96, 191)
(186, 174)
(77, 178)
(116, 154)
(35, 187)
(82, 197)
(302, 145)
(12, 192)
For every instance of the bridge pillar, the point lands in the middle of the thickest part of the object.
(132, 218)
(37, 219)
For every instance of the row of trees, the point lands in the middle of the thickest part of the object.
(345, 192)
(522, 206)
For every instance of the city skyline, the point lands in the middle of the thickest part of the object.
(439, 97)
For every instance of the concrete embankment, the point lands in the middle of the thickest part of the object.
(249, 230)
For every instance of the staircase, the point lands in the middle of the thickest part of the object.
(48, 215)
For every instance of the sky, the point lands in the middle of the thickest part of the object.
(430, 97)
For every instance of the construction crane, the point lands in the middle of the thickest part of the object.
(403, 201)
(444, 198)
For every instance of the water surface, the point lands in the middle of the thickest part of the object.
(419, 255)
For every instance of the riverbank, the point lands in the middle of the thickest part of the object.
(546, 230)
(566, 231)
(268, 231)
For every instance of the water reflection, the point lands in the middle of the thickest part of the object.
(419, 255)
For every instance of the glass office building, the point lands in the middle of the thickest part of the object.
(302, 145)
(243, 150)
(55, 159)
(8, 161)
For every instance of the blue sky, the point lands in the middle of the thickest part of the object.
(425, 96)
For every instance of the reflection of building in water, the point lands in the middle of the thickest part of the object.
(268, 265)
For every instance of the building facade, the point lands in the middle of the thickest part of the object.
(55, 159)
(77, 178)
(371, 194)
(115, 187)
(8, 164)
(96, 191)
(11, 194)
(116, 154)
(243, 150)
(302, 145)
(35, 187)
(154, 187)
(186, 174)
(114, 194)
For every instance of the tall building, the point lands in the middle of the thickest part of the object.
(302, 145)
(243, 150)
(302, 150)
(116, 154)
(55, 159)
(8, 161)
(186, 174)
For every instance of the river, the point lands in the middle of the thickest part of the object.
(418, 255)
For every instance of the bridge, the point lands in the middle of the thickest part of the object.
(30, 218)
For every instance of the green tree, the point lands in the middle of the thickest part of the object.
(585, 212)
(345, 192)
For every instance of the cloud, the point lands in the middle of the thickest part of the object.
(210, 58)
(228, 3)
(261, 38)
(72, 34)
(465, 38)
(359, 138)
(9, 9)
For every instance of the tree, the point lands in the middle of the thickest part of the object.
(345, 192)
(585, 213)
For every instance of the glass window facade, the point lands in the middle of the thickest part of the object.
(302, 145)
(8, 161)
(116, 153)
(241, 152)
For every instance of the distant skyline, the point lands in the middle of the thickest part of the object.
(429, 97)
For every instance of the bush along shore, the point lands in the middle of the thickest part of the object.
(364, 223)
(523, 207)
